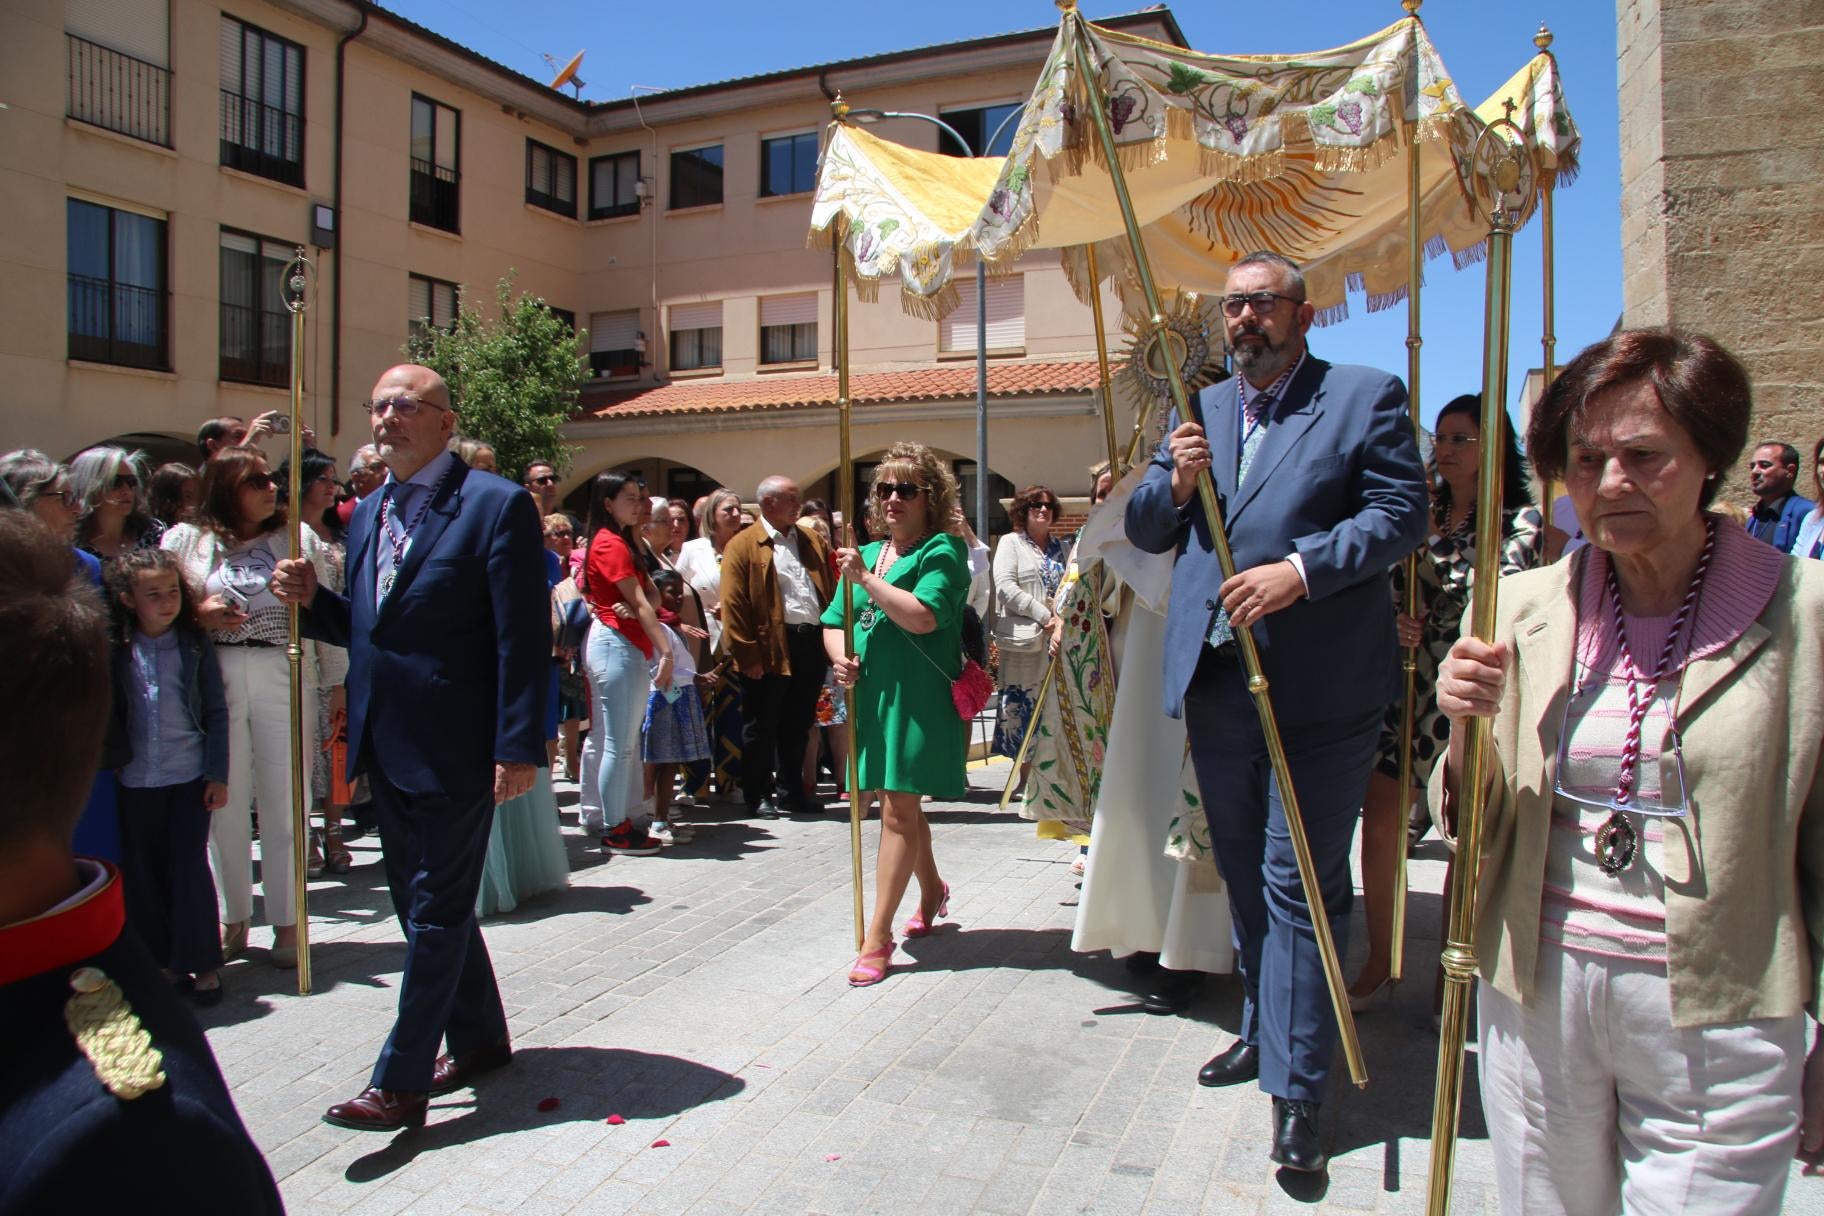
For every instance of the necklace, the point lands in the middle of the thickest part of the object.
(884, 558)
(1617, 841)
(399, 538)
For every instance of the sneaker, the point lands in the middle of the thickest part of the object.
(629, 841)
(661, 832)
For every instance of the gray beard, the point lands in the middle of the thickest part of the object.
(1263, 362)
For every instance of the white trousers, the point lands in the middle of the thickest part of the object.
(1597, 1104)
(257, 679)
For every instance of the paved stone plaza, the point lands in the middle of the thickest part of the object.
(700, 996)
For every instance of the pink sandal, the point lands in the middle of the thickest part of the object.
(871, 966)
(916, 926)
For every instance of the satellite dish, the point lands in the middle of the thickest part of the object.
(566, 75)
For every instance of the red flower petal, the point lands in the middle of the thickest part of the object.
(549, 1104)
(832, 1156)
(661, 1144)
(616, 1120)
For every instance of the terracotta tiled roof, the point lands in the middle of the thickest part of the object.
(942, 382)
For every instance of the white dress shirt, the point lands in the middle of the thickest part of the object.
(796, 593)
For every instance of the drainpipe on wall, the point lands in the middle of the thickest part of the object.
(335, 290)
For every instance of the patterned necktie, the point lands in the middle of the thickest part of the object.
(1255, 410)
(384, 523)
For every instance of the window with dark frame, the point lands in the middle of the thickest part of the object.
(614, 185)
(118, 302)
(977, 124)
(255, 329)
(788, 165)
(696, 177)
(696, 336)
(788, 329)
(431, 304)
(550, 178)
(436, 164)
(564, 315)
(262, 94)
(614, 344)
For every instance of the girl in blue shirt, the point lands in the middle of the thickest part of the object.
(171, 717)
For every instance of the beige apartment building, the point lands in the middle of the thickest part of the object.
(161, 159)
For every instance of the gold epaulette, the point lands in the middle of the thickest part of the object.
(109, 1033)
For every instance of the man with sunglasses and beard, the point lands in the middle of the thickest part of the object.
(448, 629)
(1322, 491)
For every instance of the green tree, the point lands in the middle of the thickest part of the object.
(514, 381)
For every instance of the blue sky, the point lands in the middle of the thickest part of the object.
(688, 42)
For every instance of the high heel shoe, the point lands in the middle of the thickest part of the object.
(916, 924)
(871, 966)
(1380, 994)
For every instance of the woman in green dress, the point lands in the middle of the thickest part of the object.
(908, 593)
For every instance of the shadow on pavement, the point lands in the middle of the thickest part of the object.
(550, 1085)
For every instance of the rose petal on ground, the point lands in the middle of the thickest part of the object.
(661, 1144)
(832, 1156)
(616, 1120)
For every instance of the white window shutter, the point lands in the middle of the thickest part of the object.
(788, 310)
(696, 316)
(140, 28)
(614, 330)
(1006, 329)
(418, 304)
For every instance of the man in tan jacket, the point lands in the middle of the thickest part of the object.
(776, 579)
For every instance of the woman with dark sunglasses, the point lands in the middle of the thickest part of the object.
(228, 555)
(110, 485)
(907, 592)
(1029, 565)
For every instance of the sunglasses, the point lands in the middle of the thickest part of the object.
(1262, 302)
(905, 491)
(546, 480)
(258, 481)
(1044, 506)
(125, 481)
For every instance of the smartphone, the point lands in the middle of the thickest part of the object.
(281, 424)
(233, 598)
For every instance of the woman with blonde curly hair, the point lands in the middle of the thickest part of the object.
(907, 592)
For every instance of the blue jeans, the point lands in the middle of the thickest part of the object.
(618, 683)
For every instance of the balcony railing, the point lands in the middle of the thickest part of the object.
(434, 199)
(262, 139)
(255, 345)
(118, 92)
(117, 323)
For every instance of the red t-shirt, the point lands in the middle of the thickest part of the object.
(610, 561)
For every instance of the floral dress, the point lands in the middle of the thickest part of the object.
(1446, 568)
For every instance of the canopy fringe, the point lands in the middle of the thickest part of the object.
(1333, 314)
(1435, 246)
(933, 307)
(1329, 158)
(1380, 301)
(1465, 258)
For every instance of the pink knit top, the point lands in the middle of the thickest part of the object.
(1624, 915)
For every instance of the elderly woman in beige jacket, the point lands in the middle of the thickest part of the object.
(1652, 866)
(1028, 569)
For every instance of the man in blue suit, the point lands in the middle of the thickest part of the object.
(1322, 491)
(449, 638)
(1779, 511)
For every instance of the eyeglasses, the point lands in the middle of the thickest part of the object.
(258, 481)
(403, 405)
(66, 497)
(1262, 302)
(546, 480)
(905, 491)
(1456, 441)
(125, 481)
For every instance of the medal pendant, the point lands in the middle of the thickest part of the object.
(386, 584)
(1616, 844)
(866, 619)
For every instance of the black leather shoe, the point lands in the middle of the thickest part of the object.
(1241, 1062)
(1173, 993)
(1296, 1145)
(768, 809)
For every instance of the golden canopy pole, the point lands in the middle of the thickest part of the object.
(1409, 660)
(297, 283)
(1116, 469)
(845, 500)
(1548, 340)
(1212, 514)
(1508, 182)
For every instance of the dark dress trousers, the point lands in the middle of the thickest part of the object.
(68, 1143)
(445, 678)
(1337, 479)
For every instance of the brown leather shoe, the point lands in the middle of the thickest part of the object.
(452, 1072)
(379, 1110)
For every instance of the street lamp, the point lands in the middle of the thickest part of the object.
(981, 309)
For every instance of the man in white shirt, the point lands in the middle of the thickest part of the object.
(776, 579)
